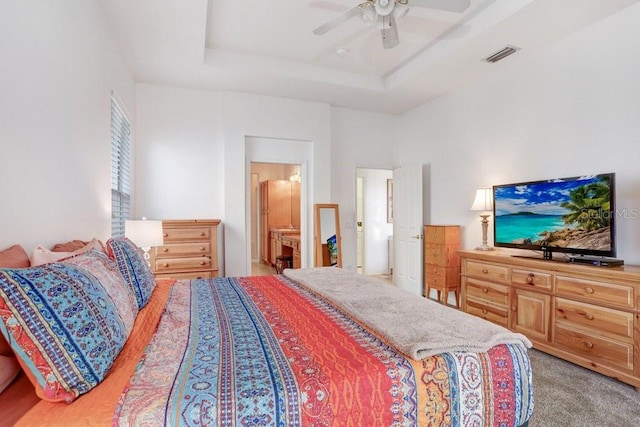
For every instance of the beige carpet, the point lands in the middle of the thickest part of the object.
(568, 395)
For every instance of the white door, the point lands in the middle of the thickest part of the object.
(407, 228)
(360, 225)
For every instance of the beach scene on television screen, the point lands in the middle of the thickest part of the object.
(572, 213)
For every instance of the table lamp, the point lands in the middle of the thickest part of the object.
(484, 203)
(145, 234)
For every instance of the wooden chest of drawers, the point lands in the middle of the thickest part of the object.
(442, 263)
(584, 314)
(189, 250)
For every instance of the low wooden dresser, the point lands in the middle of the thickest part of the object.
(190, 249)
(441, 261)
(584, 314)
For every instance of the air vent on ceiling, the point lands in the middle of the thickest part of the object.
(501, 54)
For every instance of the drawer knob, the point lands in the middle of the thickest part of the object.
(484, 311)
(588, 316)
(166, 264)
(530, 277)
(435, 279)
(485, 271)
(435, 270)
(202, 234)
(202, 263)
(165, 234)
(588, 290)
(202, 248)
(588, 344)
(485, 290)
(165, 250)
(514, 308)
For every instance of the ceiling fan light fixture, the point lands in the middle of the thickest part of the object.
(384, 14)
(369, 14)
(400, 11)
(384, 7)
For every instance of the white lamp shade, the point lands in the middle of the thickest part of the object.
(144, 233)
(483, 201)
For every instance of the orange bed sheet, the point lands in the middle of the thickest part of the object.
(96, 408)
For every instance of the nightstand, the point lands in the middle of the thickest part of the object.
(190, 250)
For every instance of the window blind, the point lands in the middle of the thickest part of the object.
(120, 169)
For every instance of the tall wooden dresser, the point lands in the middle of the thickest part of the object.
(190, 249)
(442, 263)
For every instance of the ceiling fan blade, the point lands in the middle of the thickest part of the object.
(389, 32)
(448, 5)
(343, 17)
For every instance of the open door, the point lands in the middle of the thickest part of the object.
(408, 228)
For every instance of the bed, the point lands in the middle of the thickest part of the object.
(316, 346)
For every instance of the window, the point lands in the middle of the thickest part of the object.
(120, 169)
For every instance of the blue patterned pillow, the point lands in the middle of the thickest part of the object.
(62, 325)
(133, 267)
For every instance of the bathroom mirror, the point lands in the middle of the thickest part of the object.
(328, 249)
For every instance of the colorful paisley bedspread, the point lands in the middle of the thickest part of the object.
(264, 350)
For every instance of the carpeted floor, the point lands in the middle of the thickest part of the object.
(567, 395)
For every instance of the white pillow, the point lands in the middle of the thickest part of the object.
(42, 255)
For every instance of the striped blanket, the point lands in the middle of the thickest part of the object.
(266, 350)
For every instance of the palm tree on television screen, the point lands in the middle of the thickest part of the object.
(589, 206)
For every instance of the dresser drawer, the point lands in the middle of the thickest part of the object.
(597, 292)
(595, 318)
(292, 243)
(181, 234)
(443, 234)
(585, 315)
(531, 278)
(594, 346)
(190, 275)
(491, 293)
(178, 264)
(443, 255)
(493, 314)
(436, 270)
(439, 277)
(484, 271)
(183, 249)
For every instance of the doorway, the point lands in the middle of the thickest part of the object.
(286, 176)
(374, 227)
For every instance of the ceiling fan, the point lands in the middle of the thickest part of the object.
(384, 14)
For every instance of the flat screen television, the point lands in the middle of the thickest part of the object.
(571, 215)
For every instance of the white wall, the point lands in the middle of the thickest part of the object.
(59, 66)
(358, 139)
(192, 154)
(264, 117)
(569, 110)
(192, 157)
(179, 156)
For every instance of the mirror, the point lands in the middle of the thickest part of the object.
(328, 246)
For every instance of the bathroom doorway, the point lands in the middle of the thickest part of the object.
(374, 227)
(287, 176)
